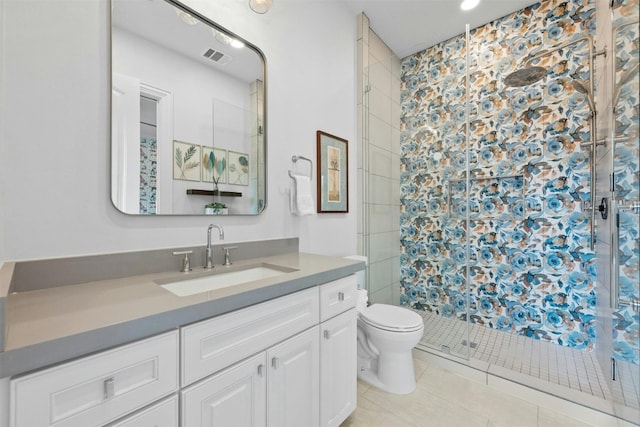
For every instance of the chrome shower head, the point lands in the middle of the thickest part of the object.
(525, 76)
(583, 87)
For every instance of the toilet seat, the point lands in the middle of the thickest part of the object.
(391, 318)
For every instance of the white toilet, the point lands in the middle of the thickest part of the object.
(386, 336)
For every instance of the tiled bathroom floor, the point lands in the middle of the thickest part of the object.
(445, 399)
(572, 374)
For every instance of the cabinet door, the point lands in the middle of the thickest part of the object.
(163, 414)
(293, 382)
(338, 368)
(235, 397)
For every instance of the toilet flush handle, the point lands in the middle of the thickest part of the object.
(327, 334)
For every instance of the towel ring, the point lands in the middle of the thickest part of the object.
(295, 158)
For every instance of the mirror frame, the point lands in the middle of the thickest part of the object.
(205, 20)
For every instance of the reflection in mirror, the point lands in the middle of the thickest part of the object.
(188, 114)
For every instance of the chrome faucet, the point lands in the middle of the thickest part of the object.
(208, 260)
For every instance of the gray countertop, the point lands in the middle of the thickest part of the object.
(48, 326)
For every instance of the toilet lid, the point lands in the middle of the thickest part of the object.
(391, 318)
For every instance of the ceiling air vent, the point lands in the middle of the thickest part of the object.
(217, 56)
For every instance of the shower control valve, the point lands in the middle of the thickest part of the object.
(604, 208)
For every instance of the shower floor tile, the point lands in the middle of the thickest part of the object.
(447, 398)
(554, 367)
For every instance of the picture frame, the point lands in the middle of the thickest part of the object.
(239, 166)
(214, 165)
(333, 173)
(186, 161)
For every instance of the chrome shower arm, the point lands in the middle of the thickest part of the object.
(593, 124)
(563, 45)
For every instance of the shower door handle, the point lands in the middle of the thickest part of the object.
(615, 268)
(633, 303)
(617, 302)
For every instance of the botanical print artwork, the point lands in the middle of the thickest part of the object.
(214, 165)
(333, 174)
(626, 166)
(238, 168)
(186, 161)
(516, 191)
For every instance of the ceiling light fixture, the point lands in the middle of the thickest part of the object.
(237, 44)
(186, 18)
(226, 40)
(469, 4)
(260, 6)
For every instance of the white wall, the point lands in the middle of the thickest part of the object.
(55, 93)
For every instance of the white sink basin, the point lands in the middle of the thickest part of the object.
(222, 278)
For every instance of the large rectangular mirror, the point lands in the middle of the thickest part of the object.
(188, 114)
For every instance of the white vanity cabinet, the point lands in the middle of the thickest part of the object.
(293, 379)
(234, 397)
(338, 347)
(277, 387)
(286, 362)
(211, 345)
(98, 389)
(282, 374)
(289, 362)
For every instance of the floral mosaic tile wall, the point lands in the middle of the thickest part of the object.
(531, 269)
(626, 321)
(148, 175)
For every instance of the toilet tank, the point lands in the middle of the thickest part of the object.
(361, 276)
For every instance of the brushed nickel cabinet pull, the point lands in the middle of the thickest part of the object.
(109, 388)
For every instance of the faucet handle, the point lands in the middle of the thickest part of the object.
(186, 264)
(227, 256)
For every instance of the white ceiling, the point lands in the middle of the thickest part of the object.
(409, 26)
(406, 26)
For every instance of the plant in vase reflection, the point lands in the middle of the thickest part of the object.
(215, 208)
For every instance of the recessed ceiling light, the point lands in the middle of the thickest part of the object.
(260, 6)
(469, 4)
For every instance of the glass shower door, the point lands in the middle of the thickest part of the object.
(625, 289)
(434, 207)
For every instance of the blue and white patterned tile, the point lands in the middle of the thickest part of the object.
(527, 256)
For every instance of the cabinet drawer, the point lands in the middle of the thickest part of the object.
(97, 389)
(214, 344)
(337, 297)
(162, 414)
